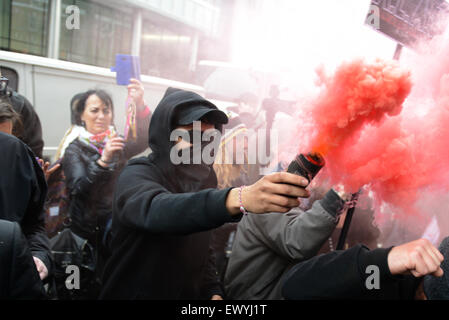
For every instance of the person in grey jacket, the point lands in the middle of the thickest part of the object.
(268, 245)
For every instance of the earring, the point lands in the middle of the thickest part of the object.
(83, 123)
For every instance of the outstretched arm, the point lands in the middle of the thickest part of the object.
(345, 274)
(143, 203)
(297, 235)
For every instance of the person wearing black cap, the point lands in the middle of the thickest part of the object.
(163, 212)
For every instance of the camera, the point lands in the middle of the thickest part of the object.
(4, 86)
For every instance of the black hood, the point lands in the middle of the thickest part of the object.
(161, 126)
(162, 120)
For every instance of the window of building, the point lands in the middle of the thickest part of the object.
(166, 53)
(5, 12)
(24, 26)
(104, 32)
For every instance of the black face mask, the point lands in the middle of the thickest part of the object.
(204, 144)
(196, 175)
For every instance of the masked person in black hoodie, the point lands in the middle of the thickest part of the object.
(163, 212)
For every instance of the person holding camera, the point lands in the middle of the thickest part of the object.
(164, 211)
(93, 161)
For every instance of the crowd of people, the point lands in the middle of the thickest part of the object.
(194, 230)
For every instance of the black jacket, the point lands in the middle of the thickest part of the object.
(22, 194)
(343, 274)
(161, 221)
(91, 186)
(31, 133)
(19, 278)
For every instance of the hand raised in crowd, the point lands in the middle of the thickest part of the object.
(113, 148)
(45, 166)
(136, 92)
(418, 257)
(277, 192)
(41, 268)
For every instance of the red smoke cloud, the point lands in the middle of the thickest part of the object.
(358, 94)
(371, 138)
